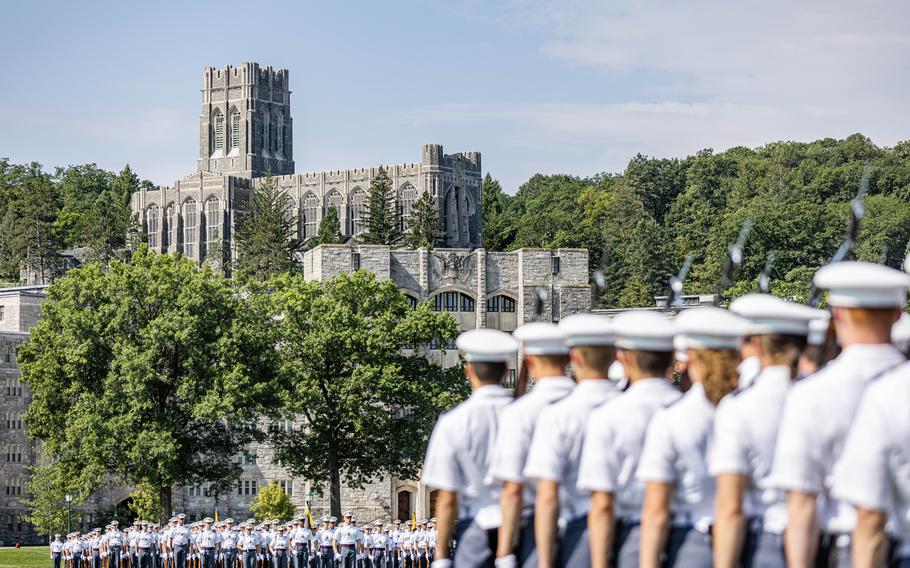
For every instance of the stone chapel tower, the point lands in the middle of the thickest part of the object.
(245, 128)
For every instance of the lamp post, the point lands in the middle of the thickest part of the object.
(69, 500)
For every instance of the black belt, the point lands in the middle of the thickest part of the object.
(347, 545)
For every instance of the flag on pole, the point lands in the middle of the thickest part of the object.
(309, 516)
(414, 520)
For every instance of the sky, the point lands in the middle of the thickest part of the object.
(537, 86)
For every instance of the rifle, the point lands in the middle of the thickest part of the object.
(847, 249)
(764, 279)
(675, 286)
(521, 383)
(734, 258)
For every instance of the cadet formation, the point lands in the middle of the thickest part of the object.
(764, 435)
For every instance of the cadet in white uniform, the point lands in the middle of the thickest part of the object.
(344, 542)
(750, 514)
(557, 444)
(616, 433)
(379, 546)
(546, 357)
(56, 550)
(180, 541)
(873, 473)
(678, 509)
(458, 457)
(866, 300)
(248, 544)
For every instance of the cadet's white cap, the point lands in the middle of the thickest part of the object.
(645, 330)
(900, 333)
(587, 329)
(818, 331)
(540, 338)
(711, 328)
(855, 284)
(769, 314)
(487, 345)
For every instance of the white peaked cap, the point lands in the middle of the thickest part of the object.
(818, 331)
(711, 328)
(541, 338)
(644, 330)
(487, 345)
(587, 329)
(900, 333)
(769, 314)
(853, 284)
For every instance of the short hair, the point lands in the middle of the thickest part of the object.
(596, 356)
(654, 363)
(489, 371)
(783, 349)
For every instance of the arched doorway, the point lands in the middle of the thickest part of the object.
(405, 504)
(433, 495)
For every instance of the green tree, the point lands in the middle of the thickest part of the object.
(145, 501)
(266, 235)
(152, 372)
(423, 225)
(498, 228)
(272, 503)
(347, 365)
(33, 237)
(329, 228)
(46, 491)
(380, 213)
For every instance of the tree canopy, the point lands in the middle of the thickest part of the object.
(380, 212)
(423, 224)
(266, 233)
(272, 503)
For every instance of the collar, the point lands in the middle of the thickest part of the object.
(870, 350)
(591, 386)
(553, 383)
(651, 384)
(774, 375)
(489, 391)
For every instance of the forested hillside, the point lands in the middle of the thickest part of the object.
(640, 225)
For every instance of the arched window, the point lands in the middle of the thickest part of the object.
(500, 303)
(407, 194)
(336, 199)
(309, 207)
(152, 226)
(218, 130)
(170, 216)
(189, 228)
(453, 302)
(213, 220)
(265, 132)
(235, 129)
(358, 198)
(279, 134)
(412, 300)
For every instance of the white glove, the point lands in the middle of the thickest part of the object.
(337, 556)
(447, 563)
(260, 557)
(510, 561)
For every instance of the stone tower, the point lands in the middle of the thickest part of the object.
(245, 128)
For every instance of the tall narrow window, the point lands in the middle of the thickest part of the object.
(358, 198)
(265, 132)
(189, 228)
(218, 130)
(213, 220)
(336, 199)
(172, 223)
(152, 226)
(235, 129)
(406, 197)
(279, 134)
(310, 209)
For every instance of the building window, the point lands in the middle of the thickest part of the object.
(218, 127)
(467, 303)
(310, 208)
(287, 485)
(189, 228)
(13, 421)
(555, 265)
(8, 355)
(235, 129)
(282, 425)
(152, 226)
(507, 305)
(336, 199)
(358, 197)
(493, 304)
(253, 490)
(279, 134)
(356, 261)
(265, 132)
(170, 216)
(406, 197)
(412, 301)
(213, 224)
(2, 313)
(14, 453)
(13, 386)
(14, 487)
(437, 343)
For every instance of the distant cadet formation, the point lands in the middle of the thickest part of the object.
(269, 544)
(768, 434)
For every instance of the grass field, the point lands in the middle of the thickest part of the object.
(25, 557)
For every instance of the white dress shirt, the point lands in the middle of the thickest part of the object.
(748, 369)
(873, 471)
(616, 434)
(745, 434)
(459, 454)
(817, 415)
(676, 451)
(518, 420)
(557, 443)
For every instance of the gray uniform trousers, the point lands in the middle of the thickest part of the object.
(627, 544)
(574, 549)
(833, 554)
(180, 555)
(763, 550)
(688, 548)
(301, 556)
(476, 546)
(348, 556)
(527, 545)
(377, 557)
(249, 559)
(114, 556)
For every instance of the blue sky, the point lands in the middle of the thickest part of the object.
(569, 86)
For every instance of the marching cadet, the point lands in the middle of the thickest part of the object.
(616, 433)
(345, 542)
(745, 433)
(179, 542)
(678, 509)
(546, 357)
(326, 556)
(394, 544)
(94, 542)
(432, 538)
(207, 543)
(406, 546)
(279, 548)
(459, 453)
(300, 537)
(114, 544)
(144, 544)
(248, 545)
(56, 550)
(557, 444)
(866, 301)
(420, 544)
(132, 538)
(229, 540)
(379, 546)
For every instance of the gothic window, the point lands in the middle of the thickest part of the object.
(406, 197)
(500, 303)
(235, 129)
(310, 208)
(171, 220)
(152, 226)
(336, 199)
(189, 228)
(358, 198)
(218, 130)
(213, 222)
(265, 132)
(279, 134)
(453, 302)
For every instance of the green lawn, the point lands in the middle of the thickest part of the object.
(25, 557)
